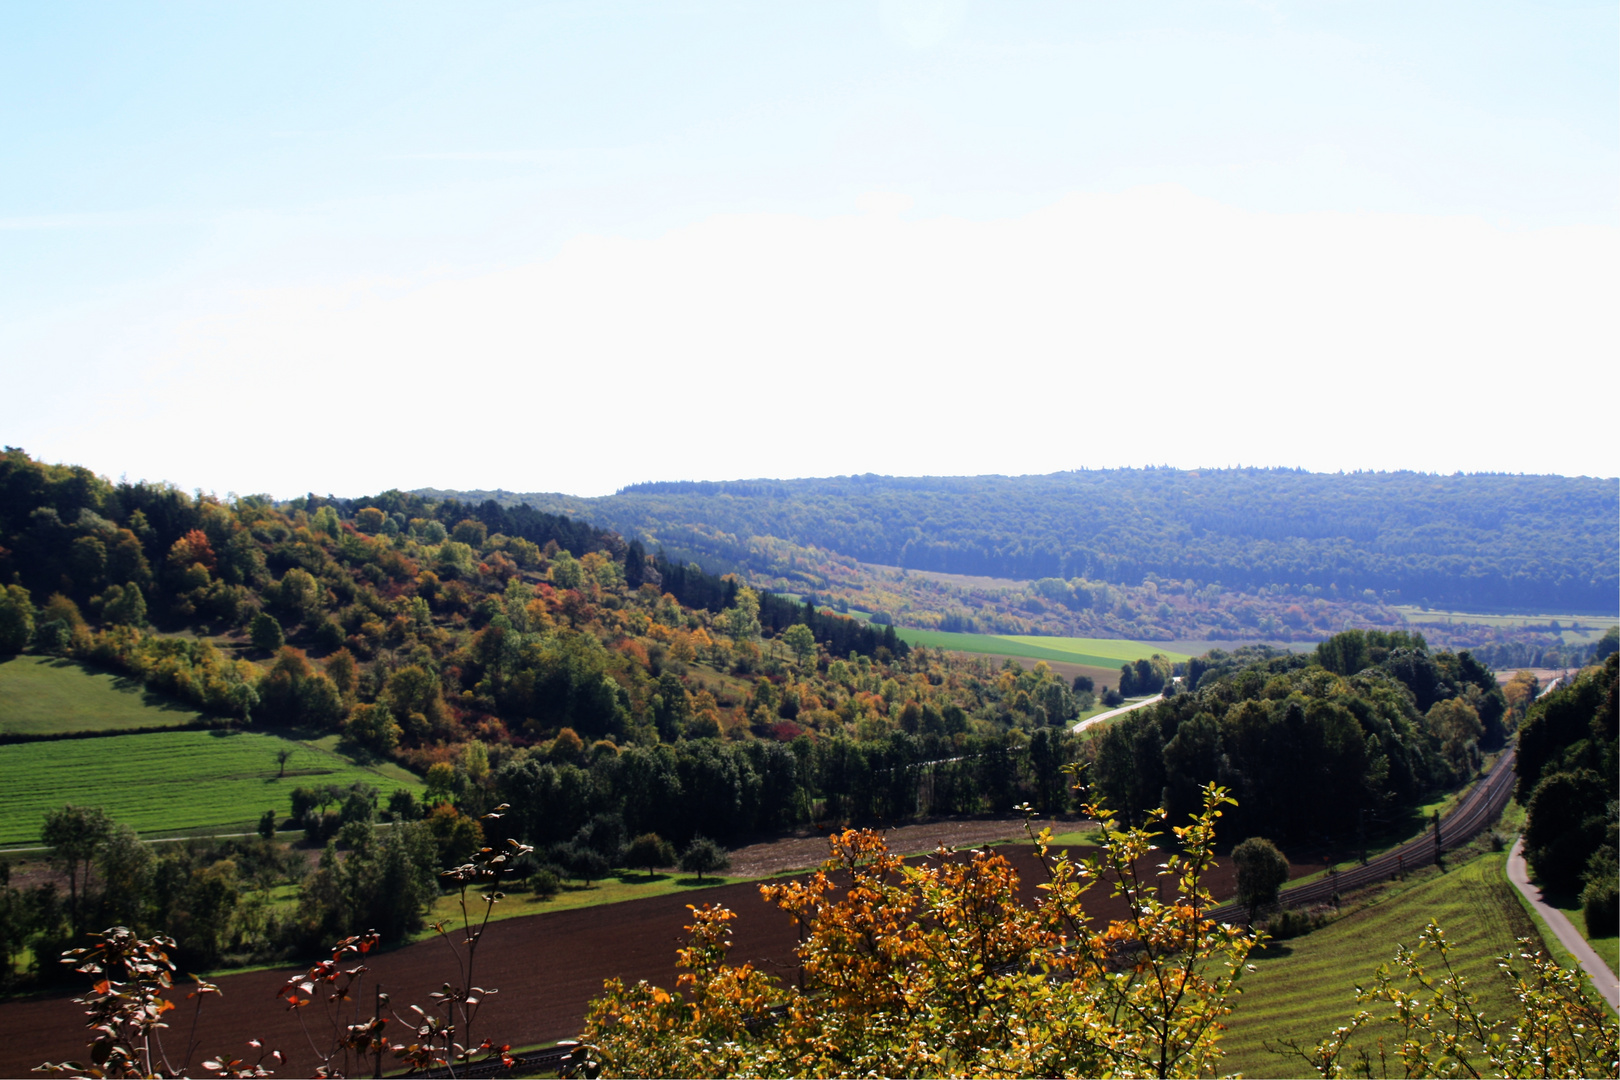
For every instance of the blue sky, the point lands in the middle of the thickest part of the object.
(571, 246)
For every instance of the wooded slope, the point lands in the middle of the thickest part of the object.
(1468, 542)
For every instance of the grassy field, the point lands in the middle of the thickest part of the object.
(1303, 988)
(622, 886)
(42, 695)
(168, 783)
(1091, 652)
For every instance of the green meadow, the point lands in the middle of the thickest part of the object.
(1091, 652)
(165, 783)
(43, 695)
(1303, 988)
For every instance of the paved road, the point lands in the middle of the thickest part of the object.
(1604, 979)
(1121, 711)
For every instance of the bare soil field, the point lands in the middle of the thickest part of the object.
(807, 849)
(547, 968)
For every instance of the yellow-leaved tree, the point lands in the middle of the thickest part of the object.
(941, 969)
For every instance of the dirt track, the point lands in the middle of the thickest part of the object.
(547, 967)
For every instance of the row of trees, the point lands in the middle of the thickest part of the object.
(732, 790)
(1315, 747)
(1569, 783)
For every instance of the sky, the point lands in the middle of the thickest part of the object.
(296, 247)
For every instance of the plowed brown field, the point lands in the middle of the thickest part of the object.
(547, 968)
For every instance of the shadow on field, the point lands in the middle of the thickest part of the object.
(1271, 950)
(641, 877)
(122, 681)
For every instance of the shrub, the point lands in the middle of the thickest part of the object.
(1294, 922)
(545, 881)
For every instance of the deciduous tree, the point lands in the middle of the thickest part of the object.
(1262, 871)
(75, 834)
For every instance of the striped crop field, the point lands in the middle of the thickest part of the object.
(167, 783)
(1301, 989)
(1092, 652)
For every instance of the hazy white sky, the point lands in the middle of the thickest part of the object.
(567, 247)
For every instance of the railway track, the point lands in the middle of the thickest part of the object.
(1477, 810)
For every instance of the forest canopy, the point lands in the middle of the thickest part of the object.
(1481, 542)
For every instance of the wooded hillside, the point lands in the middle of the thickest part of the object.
(1486, 542)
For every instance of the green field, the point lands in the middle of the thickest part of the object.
(614, 889)
(1303, 988)
(1592, 626)
(168, 783)
(41, 695)
(1091, 652)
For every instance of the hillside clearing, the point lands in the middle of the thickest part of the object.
(45, 695)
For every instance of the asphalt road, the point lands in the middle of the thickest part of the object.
(1602, 977)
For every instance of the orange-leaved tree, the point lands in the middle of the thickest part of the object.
(941, 969)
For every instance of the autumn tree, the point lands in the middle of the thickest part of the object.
(372, 727)
(1456, 725)
(369, 519)
(941, 969)
(341, 668)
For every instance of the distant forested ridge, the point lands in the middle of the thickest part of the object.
(1482, 542)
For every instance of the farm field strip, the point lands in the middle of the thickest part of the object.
(1304, 987)
(1091, 652)
(164, 783)
(1103, 648)
(43, 695)
(1595, 625)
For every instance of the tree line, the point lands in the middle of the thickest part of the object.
(1315, 747)
(1569, 784)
